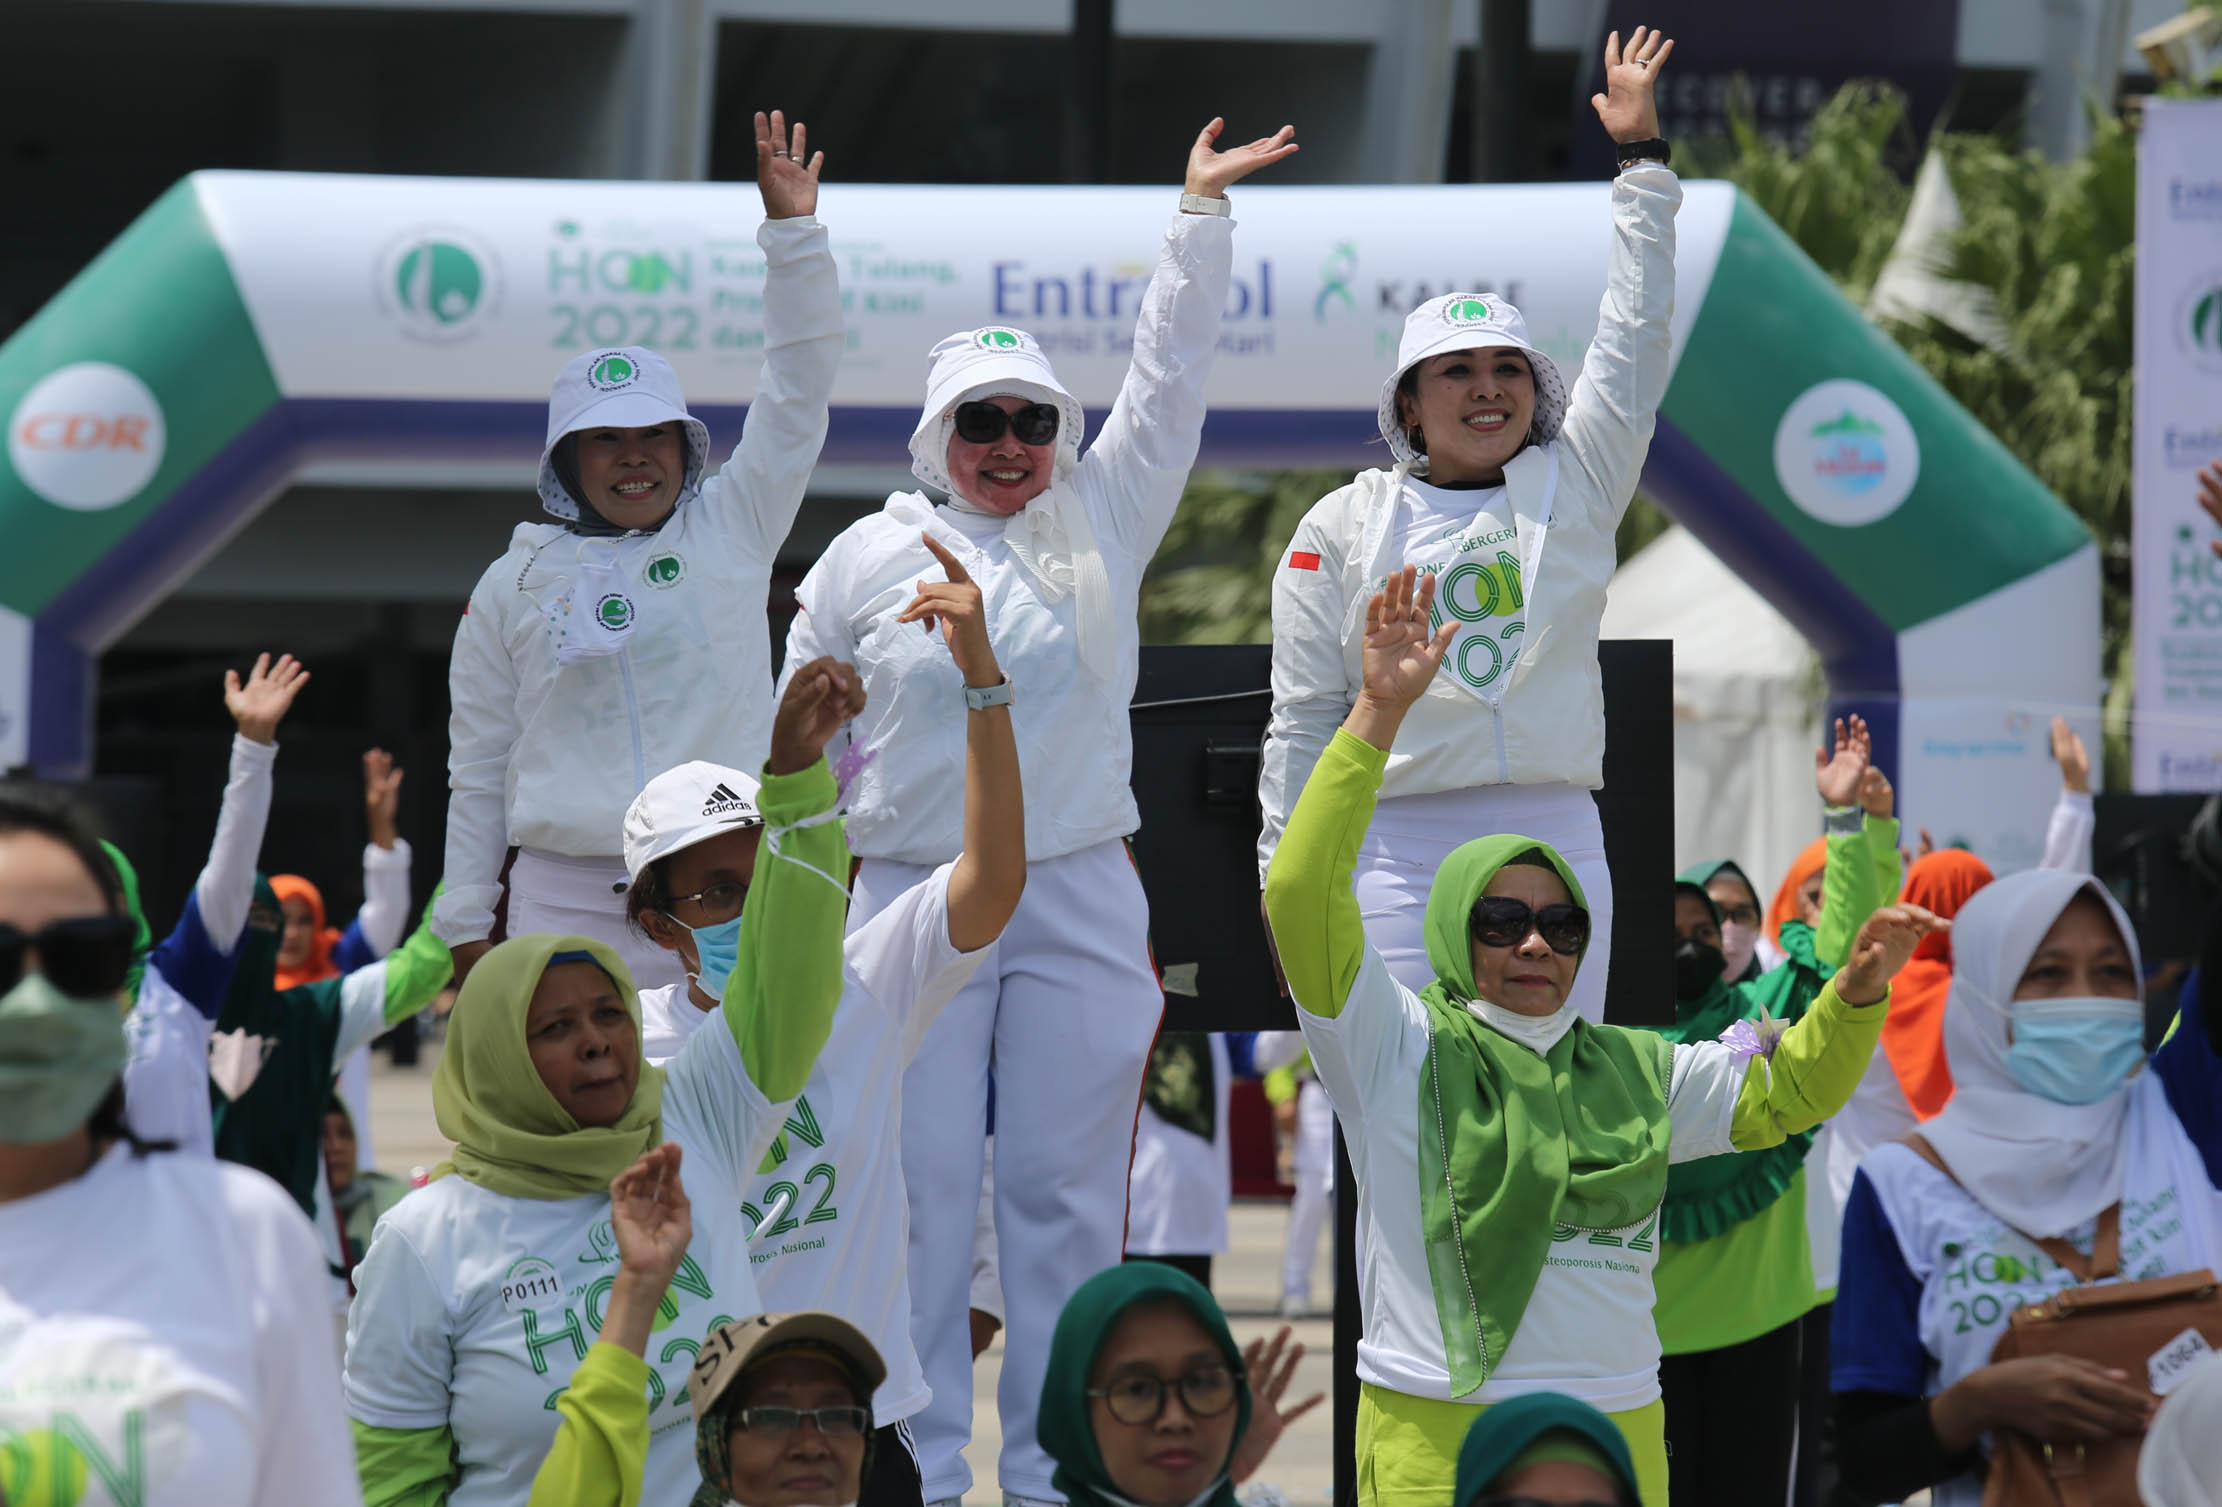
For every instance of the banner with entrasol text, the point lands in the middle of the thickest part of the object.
(2177, 614)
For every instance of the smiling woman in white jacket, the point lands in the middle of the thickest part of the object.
(628, 637)
(1067, 1003)
(1509, 490)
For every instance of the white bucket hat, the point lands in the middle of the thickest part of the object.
(683, 806)
(626, 387)
(1465, 322)
(990, 362)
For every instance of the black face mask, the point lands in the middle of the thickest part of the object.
(1697, 967)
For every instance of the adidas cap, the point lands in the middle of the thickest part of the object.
(684, 806)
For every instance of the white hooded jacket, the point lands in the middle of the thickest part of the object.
(1545, 722)
(548, 755)
(1061, 581)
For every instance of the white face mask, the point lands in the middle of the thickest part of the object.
(1738, 944)
(1538, 1033)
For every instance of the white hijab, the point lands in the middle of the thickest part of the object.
(2181, 1463)
(2043, 1168)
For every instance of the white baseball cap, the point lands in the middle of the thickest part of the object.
(684, 806)
(1467, 322)
(626, 387)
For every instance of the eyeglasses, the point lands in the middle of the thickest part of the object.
(982, 423)
(1140, 1398)
(834, 1423)
(1500, 921)
(87, 956)
(1739, 914)
(722, 900)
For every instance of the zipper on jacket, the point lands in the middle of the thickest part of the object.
(632, 716)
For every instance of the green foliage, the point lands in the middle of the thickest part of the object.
(1212, 580)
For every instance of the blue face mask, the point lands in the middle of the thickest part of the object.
(2077, 1050)
(719, 950)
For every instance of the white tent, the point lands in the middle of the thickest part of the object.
(1747, 700)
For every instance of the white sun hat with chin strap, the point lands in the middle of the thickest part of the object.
(624, 387)
(990, 362)
(1466, 322)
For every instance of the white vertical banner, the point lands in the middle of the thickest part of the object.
(15, 689)
(2176, 612)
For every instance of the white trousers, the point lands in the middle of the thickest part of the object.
(1314, 1172)
(585, 897)
(1411, 835)
(1066, 1007)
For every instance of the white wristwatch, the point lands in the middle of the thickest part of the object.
(1206, 204)
(980, 698)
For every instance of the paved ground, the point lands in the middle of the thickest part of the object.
(1247, 1278)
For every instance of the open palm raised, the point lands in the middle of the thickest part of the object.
(1402, 651)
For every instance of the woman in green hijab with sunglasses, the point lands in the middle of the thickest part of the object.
(1510, 1156)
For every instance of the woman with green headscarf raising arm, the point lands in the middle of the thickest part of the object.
(482, 1292)
(1511, 1157)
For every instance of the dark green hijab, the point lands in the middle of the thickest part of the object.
(1522, 1432)
(1062, 1422)
(1703, 874)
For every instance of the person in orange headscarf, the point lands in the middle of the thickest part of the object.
(1913, 1037)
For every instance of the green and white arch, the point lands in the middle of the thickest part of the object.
(249, 325)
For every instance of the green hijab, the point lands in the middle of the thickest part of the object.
(1702, 875)
(1531, 1429)
(510, 1134)
(1515, 1146)
(142, 936)
(1062, 1422)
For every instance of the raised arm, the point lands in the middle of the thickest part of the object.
(1615, 402)
(990, 874)
(1142, 455)
(1845, 780)
(377, 927)
(2068, 834)
(1310, 691)
(482, 730)
(764, 481)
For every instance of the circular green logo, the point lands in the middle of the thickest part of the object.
(664, 571)
(1471, 309)
(614, 612)
(998, 340)
(612, 371)
(439, 282)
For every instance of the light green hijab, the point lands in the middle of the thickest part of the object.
(1516, 1145)
(510, 1135)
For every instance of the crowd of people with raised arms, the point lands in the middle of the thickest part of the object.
(749, 969)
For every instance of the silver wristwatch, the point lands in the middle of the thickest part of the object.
(1206, 204)
(980, 698)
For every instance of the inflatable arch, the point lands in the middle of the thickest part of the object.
(249, 324)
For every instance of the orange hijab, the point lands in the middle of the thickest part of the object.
(1913, 1034)
(1811, 859)
(318, 964)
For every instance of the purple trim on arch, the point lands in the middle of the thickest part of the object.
(60, 741)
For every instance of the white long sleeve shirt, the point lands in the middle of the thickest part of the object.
(1542, 720)
(1075, 751)
(548, 756)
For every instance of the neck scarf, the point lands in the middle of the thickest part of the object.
(1811, 859)
(1063, 1423)
(1913, 1034)
(511, 1137)
(1540, 1426)
(1515, 1143)
(142, 935)
(2043, 1168)
(325, 941)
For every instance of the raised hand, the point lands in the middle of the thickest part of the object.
(957, 606)
(1627, 108)
(382, 797)
(823, 694)
(1401, 655)
(786, 173)
(651, 1215)
(1837, 776)
(1270, 1370)
(260, 703)
(1875, 795)
(2068, 752)
(2210, 496)
(1885, 941)
(1209, 171)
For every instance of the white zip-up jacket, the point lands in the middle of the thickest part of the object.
(548, 756)
(1546, 722)
(1075, 751)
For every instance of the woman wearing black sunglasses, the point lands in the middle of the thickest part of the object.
(163, 1332)
(1057, 541)
(1511, 1156)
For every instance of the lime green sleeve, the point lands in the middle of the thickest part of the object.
(1883, 835)
(1848, 895)
(419, 968)
(1815, 1067)
(1280, 1085)
(1308, 899)
(404, 1467)
(779, 1002)
(601, 1447)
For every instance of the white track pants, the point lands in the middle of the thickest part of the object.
(1067, 1006)
(1314, 1172)
(585, 897)
(1411, 835)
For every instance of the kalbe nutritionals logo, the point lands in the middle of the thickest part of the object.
(995, 338)
(438, 283)
(612, 371)
(1470, 309)
(1845, 454)
(2199, 321)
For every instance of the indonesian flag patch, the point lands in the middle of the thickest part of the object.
(1302, 559)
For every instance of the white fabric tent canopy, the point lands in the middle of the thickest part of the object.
(1747, 699)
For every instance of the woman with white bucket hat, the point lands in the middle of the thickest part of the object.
(1508, 487)
(1068, 1002)
(626, 637)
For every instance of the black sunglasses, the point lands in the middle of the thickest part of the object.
(87, 956)
(982, 423)
(1500, 921)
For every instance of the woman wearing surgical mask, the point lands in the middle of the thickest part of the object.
(163, 1328)
(1507, 488)
(1056, 539)
(2060, 1129)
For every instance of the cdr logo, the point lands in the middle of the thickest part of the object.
(87, 436)
(1845, 454)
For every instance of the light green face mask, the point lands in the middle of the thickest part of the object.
(59, 1056)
